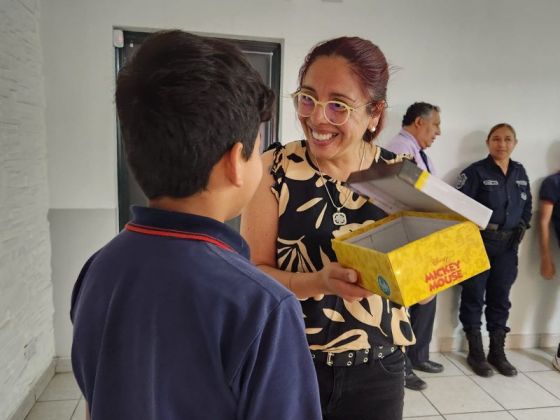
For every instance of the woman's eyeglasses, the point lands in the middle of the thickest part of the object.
(335, 112)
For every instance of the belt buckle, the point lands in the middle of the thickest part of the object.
(330, 361)
(493, 227)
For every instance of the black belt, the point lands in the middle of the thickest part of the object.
(352, 358)
(497, 235)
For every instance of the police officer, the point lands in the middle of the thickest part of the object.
(502, 185)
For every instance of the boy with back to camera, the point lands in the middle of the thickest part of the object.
(171, 320)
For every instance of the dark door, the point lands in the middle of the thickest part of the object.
(265, 58)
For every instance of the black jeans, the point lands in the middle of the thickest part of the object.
(491, 288)
(373, 391)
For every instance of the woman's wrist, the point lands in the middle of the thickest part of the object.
(320, 284)
(305, 285)
(290, 282)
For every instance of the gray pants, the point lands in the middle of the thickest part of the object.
(422, 320)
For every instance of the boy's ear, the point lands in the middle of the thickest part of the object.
(234, 164)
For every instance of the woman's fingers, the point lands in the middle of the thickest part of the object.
(343, 274)
(343, 282)
(350, 291)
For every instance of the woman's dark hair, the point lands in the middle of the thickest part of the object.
(183, 101)
(501, 125)
(367, 62)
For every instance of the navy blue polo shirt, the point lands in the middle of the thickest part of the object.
(172, 321)
(550, 191)
(508, 196)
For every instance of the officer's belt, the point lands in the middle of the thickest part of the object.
(493, 232)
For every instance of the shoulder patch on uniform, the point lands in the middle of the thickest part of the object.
(521, 182)
(490, 182)
(461, 179)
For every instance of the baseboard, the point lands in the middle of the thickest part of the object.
(63, 365)
(513, 341)
(549, 340)
(34, 392)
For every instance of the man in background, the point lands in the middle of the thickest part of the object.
(420, 127)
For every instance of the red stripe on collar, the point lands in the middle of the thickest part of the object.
(178, 234)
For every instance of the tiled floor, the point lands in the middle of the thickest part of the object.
(454, 394)
(458, 394)
(61, 400)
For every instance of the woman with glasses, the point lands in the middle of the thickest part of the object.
(355, 337)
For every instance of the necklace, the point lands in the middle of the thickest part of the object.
(338, 217)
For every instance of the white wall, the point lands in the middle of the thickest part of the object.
(482, 61)
(26, 300)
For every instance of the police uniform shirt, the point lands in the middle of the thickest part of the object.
(550, 191)
(508, 196)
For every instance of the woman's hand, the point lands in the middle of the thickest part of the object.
(341, 281)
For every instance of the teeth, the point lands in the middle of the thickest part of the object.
(322, 137)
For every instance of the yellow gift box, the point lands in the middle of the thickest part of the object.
(411, 255)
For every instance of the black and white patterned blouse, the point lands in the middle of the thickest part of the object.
(305, 230)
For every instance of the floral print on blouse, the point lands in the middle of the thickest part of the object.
(305, 230)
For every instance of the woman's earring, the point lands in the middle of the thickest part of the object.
(372, 129)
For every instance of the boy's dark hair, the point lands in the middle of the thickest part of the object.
(183, 101)
(418, 109)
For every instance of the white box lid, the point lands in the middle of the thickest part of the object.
(403, 186)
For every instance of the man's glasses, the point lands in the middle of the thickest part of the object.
(335, 112)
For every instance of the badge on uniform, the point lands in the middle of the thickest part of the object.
(490, 182)
(524, 196)
(461, 179)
